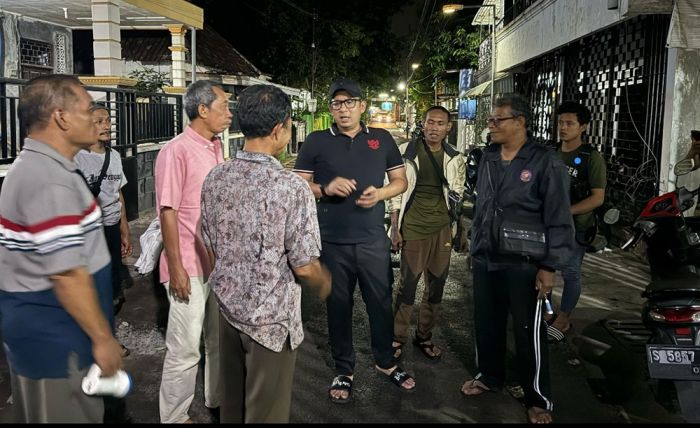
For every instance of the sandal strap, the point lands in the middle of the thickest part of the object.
(342, 383)
(399, 376)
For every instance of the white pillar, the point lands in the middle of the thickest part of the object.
(178, 49)
(106, 43)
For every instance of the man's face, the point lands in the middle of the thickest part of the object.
(569, 127)
(347, 118)
(437, 126)
(80, 127)
(103, 124)
(504, 127)
(217, 116)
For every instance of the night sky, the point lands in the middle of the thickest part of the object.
(237, 20)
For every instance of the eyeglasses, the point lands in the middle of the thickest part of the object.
(350, 103)
(496, 121)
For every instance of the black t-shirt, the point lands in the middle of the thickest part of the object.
(366, 158)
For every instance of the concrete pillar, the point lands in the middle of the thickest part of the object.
(106, 38)
(178, 49)
(680, 111)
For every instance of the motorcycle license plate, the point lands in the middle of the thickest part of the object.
(673, 362)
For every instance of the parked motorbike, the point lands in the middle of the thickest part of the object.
(671, 312)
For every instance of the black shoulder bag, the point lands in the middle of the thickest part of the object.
(454, 208)
(95, 187)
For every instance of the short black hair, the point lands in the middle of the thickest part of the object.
(42, 95)
(438, 108)
(261, 108)
(583, 115)
(519, 107)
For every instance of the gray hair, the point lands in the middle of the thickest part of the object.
(519, 107)
(199, 92)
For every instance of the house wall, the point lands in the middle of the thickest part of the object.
(16, 27)
(548, 25)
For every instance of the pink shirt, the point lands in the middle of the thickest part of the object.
(181, 167)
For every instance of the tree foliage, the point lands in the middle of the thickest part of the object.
(451, 48)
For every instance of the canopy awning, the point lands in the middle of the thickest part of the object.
(479, 90)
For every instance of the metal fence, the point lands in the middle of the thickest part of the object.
(619, 74)
(137, 117)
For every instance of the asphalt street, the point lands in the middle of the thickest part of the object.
(612, 283)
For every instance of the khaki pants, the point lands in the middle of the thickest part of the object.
(257, 382)
(432, 256)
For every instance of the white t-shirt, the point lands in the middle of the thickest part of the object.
(90, 163)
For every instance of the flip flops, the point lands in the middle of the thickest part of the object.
(341, 383)
(398, 377)
(425, 346)
(554, 335)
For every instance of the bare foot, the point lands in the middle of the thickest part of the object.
(538, 415)
(562, 323)
(397, 346)
(474, 387)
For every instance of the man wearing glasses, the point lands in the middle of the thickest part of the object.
(345, 167)
(521, 233)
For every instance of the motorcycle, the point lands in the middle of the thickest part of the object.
(671, 311)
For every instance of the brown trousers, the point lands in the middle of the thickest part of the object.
(257, 382)
(432, 256)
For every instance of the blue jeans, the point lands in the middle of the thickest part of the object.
(572, 277)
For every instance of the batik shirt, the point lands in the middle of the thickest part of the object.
(260, 221)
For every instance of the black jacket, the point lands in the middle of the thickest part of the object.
(534, 188)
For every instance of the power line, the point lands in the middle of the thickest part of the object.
(289, 3)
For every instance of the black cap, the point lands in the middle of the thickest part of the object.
(347, 85)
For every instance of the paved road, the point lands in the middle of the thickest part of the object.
(612, 285)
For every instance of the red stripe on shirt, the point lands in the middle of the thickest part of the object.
(65, 220)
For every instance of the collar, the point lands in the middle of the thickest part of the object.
(412, 149)
(197, 138)
(493, 152)
(37, 146)
(336, 132)
(259, 158)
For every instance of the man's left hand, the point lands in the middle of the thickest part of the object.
(369, 197)
(544, 282)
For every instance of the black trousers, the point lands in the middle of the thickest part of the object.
(114, 245)
(370, 265)
(497, 294)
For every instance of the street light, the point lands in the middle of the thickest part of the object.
(451, 8)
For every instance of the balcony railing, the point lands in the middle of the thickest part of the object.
(137, 117)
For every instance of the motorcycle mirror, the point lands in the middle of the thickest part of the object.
(684, 167)
(611, 216)
(485, 135)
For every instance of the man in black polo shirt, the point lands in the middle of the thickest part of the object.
(345, 167)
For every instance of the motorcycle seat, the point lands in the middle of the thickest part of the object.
(677, 282)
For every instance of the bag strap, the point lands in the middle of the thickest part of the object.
(437, 169)
(105, 165)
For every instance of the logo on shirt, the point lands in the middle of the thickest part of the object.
(373, 144)
(525, 176)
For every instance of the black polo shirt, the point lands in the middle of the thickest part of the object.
(366, 158)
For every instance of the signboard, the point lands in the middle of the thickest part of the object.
(466, 76)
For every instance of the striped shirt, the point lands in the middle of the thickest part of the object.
(49, 223)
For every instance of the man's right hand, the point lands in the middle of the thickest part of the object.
(396, 240)
(179, 285)
(341, 186)
(108, 355)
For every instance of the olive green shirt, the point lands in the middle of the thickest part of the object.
(597, 179)
(427, 213)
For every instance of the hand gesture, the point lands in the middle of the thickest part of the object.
(341, 186)
(369, 197)
(396, 240)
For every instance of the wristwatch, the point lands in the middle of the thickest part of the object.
(323, 191)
